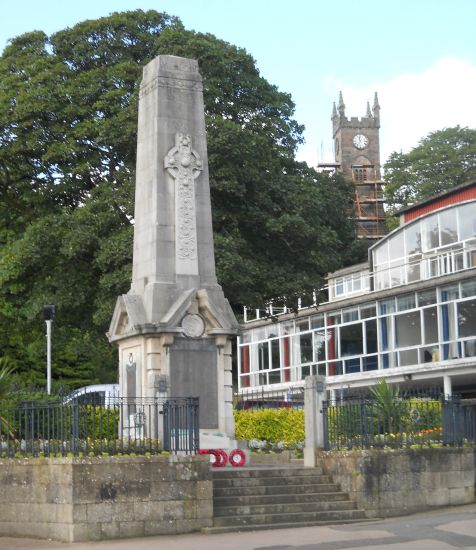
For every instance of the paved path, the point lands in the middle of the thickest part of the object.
(444, 529)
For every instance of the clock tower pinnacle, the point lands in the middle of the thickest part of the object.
(357, 157)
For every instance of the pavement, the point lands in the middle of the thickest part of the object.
(441, 529)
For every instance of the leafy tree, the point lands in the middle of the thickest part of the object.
(68, 126)
(441, 160)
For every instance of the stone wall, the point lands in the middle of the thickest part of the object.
(80, 499)
(398, 482)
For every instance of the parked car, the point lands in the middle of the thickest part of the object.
(96, 394)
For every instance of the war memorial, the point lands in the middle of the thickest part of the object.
(174, 328)
(174, 332)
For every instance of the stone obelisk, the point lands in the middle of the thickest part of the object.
(174, 327)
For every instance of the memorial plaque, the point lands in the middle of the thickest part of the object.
(193, 373)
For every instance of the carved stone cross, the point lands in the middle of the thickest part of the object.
(184, 165)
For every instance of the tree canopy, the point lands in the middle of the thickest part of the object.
(442, 160)
(68, 124)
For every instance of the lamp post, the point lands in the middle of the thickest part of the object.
(48, 314)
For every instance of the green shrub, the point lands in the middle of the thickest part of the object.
(272, 425)
(423, 414)
(98, 422)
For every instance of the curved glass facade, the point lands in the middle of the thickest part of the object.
(440, 243)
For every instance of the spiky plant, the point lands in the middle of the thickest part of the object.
(387, 411)
(6, 372)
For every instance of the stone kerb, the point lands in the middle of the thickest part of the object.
(81, 499)
(397, 482)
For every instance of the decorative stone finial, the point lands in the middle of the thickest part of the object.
(376, 107)
(334, 110)
(341, 105)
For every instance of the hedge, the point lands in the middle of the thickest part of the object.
(272, 425)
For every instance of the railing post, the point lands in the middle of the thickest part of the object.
(314, 396)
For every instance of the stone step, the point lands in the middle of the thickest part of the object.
(258, 490)
(265, 526)
(251, 500)
(282, 508)
(233, 473)
(267, 481)
(290, 518)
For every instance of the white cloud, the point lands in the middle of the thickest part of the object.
(412, 105)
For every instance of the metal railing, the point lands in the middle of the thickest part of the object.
(365, 423)
(265, 399)
(121, 426)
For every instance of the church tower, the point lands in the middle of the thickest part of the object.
(357, 157)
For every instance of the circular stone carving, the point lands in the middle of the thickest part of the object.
(193, 325)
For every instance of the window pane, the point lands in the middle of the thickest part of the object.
(449, 293)
(470, 348)
(448, 227)
(467, 318)
(407, 329)
(302, 325)
(352, 365)
(370, 363)
(339, 285)
(263, 356)
(319, 346)
(275, 360)
(413, 269)
(274, 377)
(349, 315)
(396, 273)
(382, 278)
(395, 246)
(321, 370)
(467, 221)
(413, 239)
(430, 232)
(317, 321)
(348, 284)
(430, 324)
(371, 335)
(335, 368)
(427, 297)
(381, 254)
(305, 371)
(305, 341)
(430, 354)
(367, 311)
(468, 288)
(406, 302)
(333, 319)
(351, 340)
(408, 357)
(287, 328)
(387, 306)
(356, 282)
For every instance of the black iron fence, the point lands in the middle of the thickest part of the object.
(266, 399)
(121, 425)
(402, 422)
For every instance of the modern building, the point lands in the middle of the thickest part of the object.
(357, 158)
(408, 315)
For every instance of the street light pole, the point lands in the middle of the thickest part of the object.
(49, 314)
(48, 356)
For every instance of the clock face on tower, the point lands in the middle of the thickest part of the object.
(360, 141)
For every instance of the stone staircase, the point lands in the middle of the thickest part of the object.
(248, 499)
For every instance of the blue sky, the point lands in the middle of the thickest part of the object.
(420, 55)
